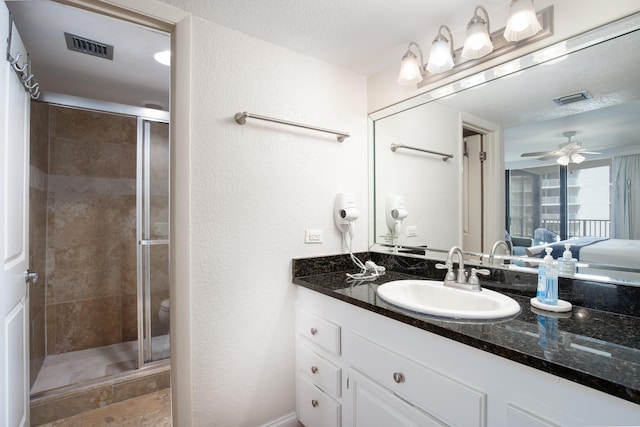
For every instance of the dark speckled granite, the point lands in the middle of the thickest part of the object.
(597, 344)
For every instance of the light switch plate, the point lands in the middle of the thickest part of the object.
(412, 231)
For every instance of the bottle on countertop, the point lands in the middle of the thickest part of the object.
(567, 264)
(547, 280)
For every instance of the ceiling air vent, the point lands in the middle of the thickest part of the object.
(90, 47)
(574, 97)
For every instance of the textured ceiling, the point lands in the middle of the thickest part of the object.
(359, 35)
(362, 36)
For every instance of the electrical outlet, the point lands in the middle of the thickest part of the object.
(313, 236)
(412, 231)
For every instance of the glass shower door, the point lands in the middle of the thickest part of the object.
(153, 240)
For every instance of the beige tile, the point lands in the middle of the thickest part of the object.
(50, 314)
(87, 324)
(39, 140)
(119, 367)
(92, 246)
(37, 263)
(142, 385)
(87, 143)
(152, 410)
(129, 317)
(69, 406)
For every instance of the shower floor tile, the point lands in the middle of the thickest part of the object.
(64, 369)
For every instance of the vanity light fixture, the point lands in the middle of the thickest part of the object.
(480, 45)
(410, 69)
(478, 41)
(441, 58)
(523, 22)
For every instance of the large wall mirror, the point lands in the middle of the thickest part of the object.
(559, 132)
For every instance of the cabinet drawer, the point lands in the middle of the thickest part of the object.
(324, 373)
(440, 396)
(316, 408)
(319, 330)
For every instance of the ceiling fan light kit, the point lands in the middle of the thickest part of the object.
(569, 152)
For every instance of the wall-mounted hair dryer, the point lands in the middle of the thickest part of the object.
(395, 213)
(345, 212)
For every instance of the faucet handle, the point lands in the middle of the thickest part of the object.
(448, 265)
(473, 280)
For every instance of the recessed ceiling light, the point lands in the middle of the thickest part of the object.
(163, 57)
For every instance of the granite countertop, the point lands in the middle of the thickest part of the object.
(593, 347)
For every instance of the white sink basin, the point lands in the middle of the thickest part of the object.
(432, 297)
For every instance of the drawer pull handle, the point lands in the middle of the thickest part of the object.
(314, 331)
(314, 403)
(314, 369)
(398, 377)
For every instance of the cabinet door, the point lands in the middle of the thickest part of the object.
(315, 407)
(374, 405)
(518, 417)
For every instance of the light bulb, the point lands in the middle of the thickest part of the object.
(577, 158)
(563, 160)
(478, 42)
(522, 22)
(440, 59)
(409, 70)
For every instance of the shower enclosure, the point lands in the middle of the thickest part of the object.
(152, 235)
(100, 215)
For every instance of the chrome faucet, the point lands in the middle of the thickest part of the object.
(462, 275)
(495, 247)
(460, 281)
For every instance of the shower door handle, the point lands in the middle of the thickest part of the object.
(31, 275)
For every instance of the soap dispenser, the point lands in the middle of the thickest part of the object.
(567, 264)
(547, 280)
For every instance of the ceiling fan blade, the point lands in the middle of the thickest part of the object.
(539, 153)
(550, 156)
(588, 152)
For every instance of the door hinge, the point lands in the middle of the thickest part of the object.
(483, 156)
(347, 382)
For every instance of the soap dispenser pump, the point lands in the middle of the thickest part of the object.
(547, 292)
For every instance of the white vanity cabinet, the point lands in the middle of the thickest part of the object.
(443, 401)
(382, 372)
(318, 370)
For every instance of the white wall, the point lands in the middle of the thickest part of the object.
(254, 190)
(430, 187)
(571, 17)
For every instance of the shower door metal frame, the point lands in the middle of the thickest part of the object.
(143, 247)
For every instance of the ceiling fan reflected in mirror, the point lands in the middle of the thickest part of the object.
(568, 152)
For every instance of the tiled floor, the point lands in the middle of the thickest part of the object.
(78, 366)
(149, 410)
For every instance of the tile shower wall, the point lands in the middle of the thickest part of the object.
(39, 157)
(91, 219)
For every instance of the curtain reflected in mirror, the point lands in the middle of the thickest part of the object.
(626, 206)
